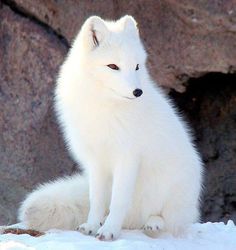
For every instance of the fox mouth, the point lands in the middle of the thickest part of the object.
(126, 97)
(130, 98)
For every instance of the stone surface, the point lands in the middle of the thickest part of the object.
(31, 149)
(184, 38)
(66, 16)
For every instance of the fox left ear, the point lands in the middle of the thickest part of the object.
(129, 24)
(94, 32)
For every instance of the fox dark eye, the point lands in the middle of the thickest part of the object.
(113, 66)
(137, 67)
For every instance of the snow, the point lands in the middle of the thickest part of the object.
(208, 236)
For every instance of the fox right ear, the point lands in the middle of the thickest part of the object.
(129, 24)
(94, 32)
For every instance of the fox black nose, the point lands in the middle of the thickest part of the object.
(137, 92)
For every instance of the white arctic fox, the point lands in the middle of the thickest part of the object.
(141, 169)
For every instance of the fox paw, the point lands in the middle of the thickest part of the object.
(107, 233)
(88, 229)
(154, 223)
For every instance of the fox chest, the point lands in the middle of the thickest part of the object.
(101, 131)
(93, 137)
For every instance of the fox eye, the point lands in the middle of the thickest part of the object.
(137, 67)
(113, 66)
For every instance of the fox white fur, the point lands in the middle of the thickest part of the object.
(141, 169)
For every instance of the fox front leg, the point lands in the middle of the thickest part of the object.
(98, 186)
(124, 180)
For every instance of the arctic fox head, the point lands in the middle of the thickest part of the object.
(111, 55)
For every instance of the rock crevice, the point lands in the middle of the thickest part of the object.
(20, 10)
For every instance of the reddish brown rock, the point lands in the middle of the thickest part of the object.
(20, 231)
(31, 149)
(66, 16)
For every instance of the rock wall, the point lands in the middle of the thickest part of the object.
(185, 40)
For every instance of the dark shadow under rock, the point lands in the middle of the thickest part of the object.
(210, 107)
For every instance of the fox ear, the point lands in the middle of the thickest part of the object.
(129, 24)
(94, 32)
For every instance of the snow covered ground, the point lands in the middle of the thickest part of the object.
(209, 236)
